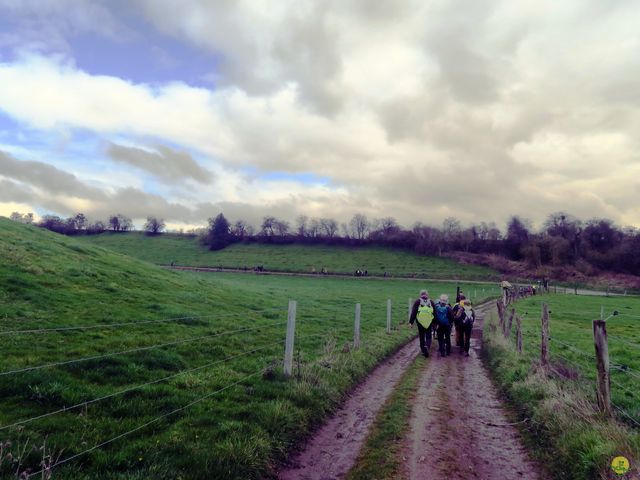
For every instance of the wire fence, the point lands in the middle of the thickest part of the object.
(310, 335)
(585, 362)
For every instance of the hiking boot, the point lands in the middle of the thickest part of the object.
(426, 353)
(466, 354)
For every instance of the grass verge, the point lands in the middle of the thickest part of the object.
(380, 456)
(563, 429)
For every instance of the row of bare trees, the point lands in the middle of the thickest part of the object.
(562, 240)
(80, 224)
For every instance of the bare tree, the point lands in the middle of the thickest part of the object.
(154, 225)
(359, 226)
(329, 227)
(268, 226)
(241, 229)
(281, 227)
(314, 227)
(301, 225)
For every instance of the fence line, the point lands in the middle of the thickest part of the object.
(134, 350)
(142, 322)
(146, 424)
(372, 320)
(604, 368)
(137, 387)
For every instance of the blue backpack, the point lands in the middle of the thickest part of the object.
(442, 315)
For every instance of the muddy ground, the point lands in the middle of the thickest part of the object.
(458, 427)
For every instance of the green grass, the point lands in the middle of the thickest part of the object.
(183, 250)
(50, 281)
(565, 429)
(380, 456)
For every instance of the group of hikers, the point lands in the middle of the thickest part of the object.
(440, 317)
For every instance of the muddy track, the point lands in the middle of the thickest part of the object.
(458, 427)
(332, 451)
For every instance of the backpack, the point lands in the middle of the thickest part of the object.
(425, 314)
(442, 315)
(468, 315)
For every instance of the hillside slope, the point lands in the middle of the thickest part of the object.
(168, 248)
(164, 377)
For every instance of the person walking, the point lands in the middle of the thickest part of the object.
(464, 315)
(443, 314)
(422, 314)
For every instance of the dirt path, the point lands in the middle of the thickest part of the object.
(333, 449)
(458, 427)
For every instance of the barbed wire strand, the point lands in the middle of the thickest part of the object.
(137, 387)
(627, 370)
(134, 350)
(146, 424)
(622, 387)
(571, 347)
(626, 414)
(626, 342)
(122, 324)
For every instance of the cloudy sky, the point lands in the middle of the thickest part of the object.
(418, 110)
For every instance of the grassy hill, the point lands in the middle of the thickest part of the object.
(155, 349)
(167, 248)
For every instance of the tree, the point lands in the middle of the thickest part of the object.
(267, 228)
(154, 225)
(561, 224)
(451, 231)
(114, 223)
(219, 235)
(329, 227)
(301, 226)
(517, 237)
(359, 226)
(601, 235)
(281, 227)
(241, 229)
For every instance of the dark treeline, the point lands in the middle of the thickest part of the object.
(562, 240)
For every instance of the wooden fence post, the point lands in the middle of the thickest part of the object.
(500, 315)
(507, 329)
(388, 315)
(291, 332)
(544, 340)
(518, 334)
(602, 360)
(356, 328)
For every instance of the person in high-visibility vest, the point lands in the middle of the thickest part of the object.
(422, 315)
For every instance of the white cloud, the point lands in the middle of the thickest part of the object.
(417, 110)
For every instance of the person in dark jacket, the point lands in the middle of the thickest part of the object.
(422, 315)
(464, 316)
(443, 315)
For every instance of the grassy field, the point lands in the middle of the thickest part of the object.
(167, 248)
(565, 429)
(187, 336)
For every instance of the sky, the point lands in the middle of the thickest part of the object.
(418, 110)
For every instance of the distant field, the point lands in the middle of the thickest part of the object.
(50, 282)
(167, 248)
